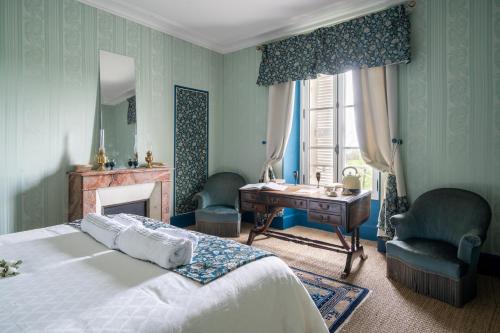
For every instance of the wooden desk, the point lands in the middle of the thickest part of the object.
(348, 212)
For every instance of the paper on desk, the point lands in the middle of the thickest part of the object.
(264, 186)
(308, 190)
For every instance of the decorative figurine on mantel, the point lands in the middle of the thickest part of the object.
(111, 164)
(149, 159)
(101, 160)
(132, 162)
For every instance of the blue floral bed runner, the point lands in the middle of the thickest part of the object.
(213, 257)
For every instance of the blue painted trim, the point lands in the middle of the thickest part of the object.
(247, 217)
(183, 220)
(381, 246)
(290, 218)
(175, 126)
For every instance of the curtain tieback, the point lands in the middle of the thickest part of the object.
(396, 142)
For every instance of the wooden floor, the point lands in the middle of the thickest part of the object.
(390, 307)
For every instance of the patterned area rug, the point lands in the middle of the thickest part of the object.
(335, 300)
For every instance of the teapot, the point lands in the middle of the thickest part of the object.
(351, 182)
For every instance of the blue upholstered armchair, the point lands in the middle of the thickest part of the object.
(217, 212)
(437, 244)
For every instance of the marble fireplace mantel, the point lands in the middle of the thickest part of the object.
(90, 191)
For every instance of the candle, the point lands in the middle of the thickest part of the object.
(101, 139)
(135, 144)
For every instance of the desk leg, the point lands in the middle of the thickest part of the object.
(355, 251)
(256, 230)
(341, 238)
(359, 248)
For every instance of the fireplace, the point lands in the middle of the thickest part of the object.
(135, 207)
(136, 191)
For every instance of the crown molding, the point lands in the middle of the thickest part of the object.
(330, 15)
(153, 21)
(306, 23)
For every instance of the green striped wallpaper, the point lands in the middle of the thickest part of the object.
(48, 85)
(450, 101)
(244, 115)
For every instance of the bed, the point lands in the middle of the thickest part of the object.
(70, 282)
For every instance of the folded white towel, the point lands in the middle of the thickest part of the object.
(181, 233)
(126, 220)
(162, 249)
(102, 228)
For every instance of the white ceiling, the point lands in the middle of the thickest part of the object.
(229, 25)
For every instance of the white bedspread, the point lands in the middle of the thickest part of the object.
(70, 282)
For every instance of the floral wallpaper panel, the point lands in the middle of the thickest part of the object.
(191, 146)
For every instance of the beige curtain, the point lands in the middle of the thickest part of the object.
(377, 125)
(279, 123)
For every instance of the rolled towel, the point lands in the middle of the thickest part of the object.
(162, 249)
(181, 233)
(126, 220)
(102, 228)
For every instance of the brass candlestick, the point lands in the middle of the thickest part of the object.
(101, 159)
(149, 159)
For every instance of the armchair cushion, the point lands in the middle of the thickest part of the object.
(218, 214)
(428, 255)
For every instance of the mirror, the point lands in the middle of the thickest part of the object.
(118, 134)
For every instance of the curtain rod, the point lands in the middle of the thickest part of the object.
(410, 4)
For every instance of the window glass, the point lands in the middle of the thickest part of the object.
(331, 142)
(350, 136)
(349, 91)
(353, 158)
(322, 125)
(321, 92)
(323, 161)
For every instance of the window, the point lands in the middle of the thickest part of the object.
(328, 132)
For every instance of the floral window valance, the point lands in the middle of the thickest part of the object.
(374, 40)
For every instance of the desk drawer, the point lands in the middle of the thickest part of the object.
(325, 206)
(249, 196)
(287, 202)
(252, 207)
(325, 218)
